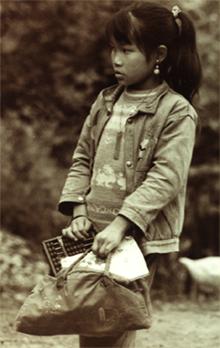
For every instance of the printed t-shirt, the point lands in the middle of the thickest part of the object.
(108, 182)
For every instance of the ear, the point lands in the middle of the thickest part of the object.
(161, 53)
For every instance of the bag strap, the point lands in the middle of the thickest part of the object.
(107, 264)
(62, 275)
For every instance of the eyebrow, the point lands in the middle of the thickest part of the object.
(113, 43)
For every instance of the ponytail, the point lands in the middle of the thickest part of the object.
(184, 72)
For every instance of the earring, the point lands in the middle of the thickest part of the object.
(157, 68)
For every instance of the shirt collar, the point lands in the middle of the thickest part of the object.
(150, 106)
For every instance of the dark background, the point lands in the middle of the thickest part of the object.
(55, 61)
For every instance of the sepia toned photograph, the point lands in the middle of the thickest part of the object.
(110, 174)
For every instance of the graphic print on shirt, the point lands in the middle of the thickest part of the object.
(108, 177)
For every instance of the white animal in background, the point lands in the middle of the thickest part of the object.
(205, 273)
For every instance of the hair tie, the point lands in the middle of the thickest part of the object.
(175, 11)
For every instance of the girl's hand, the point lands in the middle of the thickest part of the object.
(78, 228)
(110, 238)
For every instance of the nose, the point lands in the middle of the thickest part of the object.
(116, 58)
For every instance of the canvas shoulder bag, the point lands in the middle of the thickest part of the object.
(84, 302)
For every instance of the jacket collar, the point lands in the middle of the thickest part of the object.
(111, 95)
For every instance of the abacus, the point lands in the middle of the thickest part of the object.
(58, 247)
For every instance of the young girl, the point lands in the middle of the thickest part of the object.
(131, 163)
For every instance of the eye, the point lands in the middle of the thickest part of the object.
(127, 49)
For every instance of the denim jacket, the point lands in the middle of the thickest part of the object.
(159, 141)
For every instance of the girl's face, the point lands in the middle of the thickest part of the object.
(131, 67)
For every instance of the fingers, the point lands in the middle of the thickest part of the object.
(88, 225)
(78, 229)
(104, 250)
(101, 247)
(67, 232)
(95, 246)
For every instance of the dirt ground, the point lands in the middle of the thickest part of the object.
(182, 324)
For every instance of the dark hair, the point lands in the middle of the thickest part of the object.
(149, 25)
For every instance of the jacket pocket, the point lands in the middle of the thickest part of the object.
(145, 153)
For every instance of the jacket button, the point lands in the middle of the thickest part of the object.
(130, 120)
(129, 164)
(80, 198)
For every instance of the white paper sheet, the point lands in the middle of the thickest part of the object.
(127, 262)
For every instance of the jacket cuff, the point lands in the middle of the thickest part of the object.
(79, 210)
(66, 203)
(135, 217)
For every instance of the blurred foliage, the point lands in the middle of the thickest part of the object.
(19, 271)
(55, 61)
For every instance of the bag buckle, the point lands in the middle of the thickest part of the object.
(102, 316)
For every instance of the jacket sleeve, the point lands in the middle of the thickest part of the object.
(78, 179)
(168, 174)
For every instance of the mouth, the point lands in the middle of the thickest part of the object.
(118, 74)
